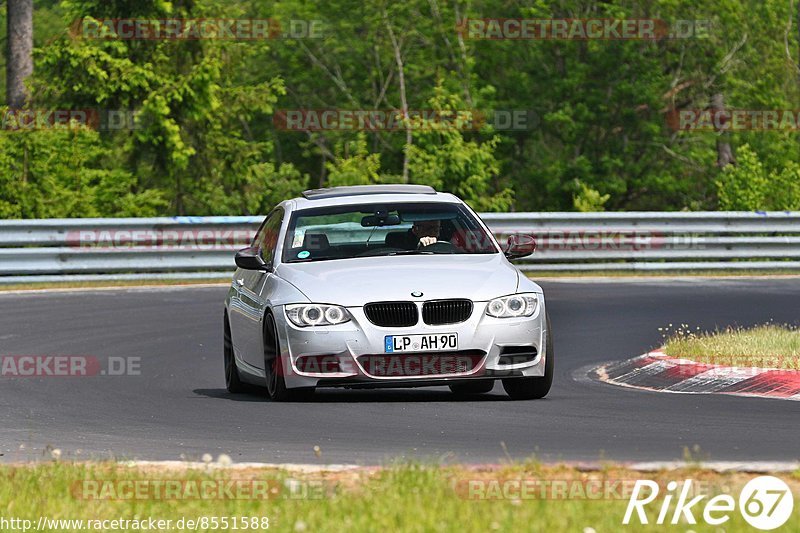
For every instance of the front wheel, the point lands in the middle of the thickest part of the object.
(274, 369)
(232, 381)
(538, 387)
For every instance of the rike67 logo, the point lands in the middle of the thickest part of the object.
(765, 503)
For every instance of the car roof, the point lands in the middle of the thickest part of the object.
(361, 190)
(368, 194)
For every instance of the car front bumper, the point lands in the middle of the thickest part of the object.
(485, 351)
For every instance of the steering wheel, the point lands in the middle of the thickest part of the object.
(445, 246)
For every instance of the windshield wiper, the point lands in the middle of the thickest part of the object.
(412, 252)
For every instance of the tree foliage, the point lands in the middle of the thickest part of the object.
(206, 140)
(750, 186)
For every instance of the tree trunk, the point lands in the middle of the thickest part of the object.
(725, 155)
(398, 57)
(20, 51)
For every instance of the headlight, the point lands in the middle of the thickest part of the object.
(513, 306)
(304, 315)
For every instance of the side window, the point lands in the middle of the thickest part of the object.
(267, 238)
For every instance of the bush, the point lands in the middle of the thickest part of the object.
(749, 186)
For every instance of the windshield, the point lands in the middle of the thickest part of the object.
(369, 230)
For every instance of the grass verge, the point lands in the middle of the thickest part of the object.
(767, 346)
(396, 498)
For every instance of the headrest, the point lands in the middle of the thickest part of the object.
(315, 241)
(396, 239)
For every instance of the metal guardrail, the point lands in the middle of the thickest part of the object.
(203, 247)
(648, 241)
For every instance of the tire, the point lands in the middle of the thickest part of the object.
(477, 387)
(232, 381)
(273, 367)
(538, 387)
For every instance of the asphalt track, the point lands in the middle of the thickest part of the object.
(177, 407)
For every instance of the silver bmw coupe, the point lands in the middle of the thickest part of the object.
(384, 286)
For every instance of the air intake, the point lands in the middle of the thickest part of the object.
(513, 355)
(392, 314)
(439, 312)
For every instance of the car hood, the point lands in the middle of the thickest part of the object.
(354, 282)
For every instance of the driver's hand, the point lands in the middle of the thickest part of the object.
(427, 241)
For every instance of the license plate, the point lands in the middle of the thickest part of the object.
(421, 343)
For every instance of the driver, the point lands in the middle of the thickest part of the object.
(427, 231)
(422, 233)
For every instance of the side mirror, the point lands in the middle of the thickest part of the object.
(250, 259)
(520, 245)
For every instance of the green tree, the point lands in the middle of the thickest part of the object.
(749, 186)
(354, 164)
(443, 158)
(200, 105)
